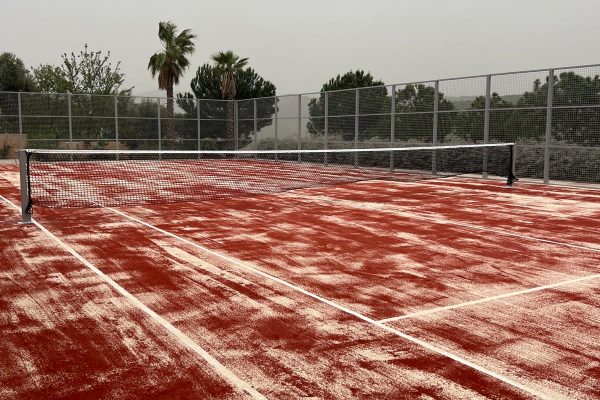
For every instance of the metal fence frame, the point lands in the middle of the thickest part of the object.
(355, 102)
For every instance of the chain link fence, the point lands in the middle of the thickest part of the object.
(552, 114)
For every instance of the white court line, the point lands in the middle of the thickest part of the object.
(342, 308)
(183, 338)
(491, 298)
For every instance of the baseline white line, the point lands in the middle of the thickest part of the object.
(342, 308)
(182, 337)
(488, 299)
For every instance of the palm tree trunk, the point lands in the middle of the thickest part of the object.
(170, 113)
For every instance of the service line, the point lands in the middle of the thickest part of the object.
(412, 339)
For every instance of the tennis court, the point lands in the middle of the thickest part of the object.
(334, 275)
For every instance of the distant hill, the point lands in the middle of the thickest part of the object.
(464, 102)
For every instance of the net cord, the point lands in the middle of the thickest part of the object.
(258, 152)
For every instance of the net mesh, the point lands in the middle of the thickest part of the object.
(121, 178)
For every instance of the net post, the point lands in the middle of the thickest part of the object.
(511, 166)
(159, 127)
(549, 101)
(21, 138)
(199, 132)
(116, 100)
(326, 127)
(356, 125)
(299, 126)
(436, 91)
(486, 124)
(25, 195)
(392, 125)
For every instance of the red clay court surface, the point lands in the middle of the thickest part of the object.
(443, 289)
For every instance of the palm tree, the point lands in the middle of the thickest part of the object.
(230, 64)
(171, 62)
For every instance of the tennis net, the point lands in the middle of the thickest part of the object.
(79, 178)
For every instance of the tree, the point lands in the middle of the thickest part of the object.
(88, 72)
(171, 62)
(230, 66)
(342, 107)
(14, 77)
(572, 121)
(51, 79)
(470, 123)
(414, 113)
(206, 85)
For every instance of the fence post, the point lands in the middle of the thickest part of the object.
(549, 102)
(356, 124)
(255, 126)
(392, 125)
(159, 128)
(436, 92)
(486, 123)
(326, 127)
(275, 124)
(21, 139)
(70, 120)
(299, 126)
(236, 132)
(199, 132)
(116, 123)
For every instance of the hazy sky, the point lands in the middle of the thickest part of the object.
(298, 45)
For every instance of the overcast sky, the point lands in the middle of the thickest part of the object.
(298, 45)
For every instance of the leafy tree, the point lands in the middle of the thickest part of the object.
(51, 79)
(342, 106)
(88, 72)
(230, 65)
(14, 77)
(171, 62)
(414, 113)
(570, 125)
(206, 85)
(470, 123)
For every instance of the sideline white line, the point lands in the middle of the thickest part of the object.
(183, 338)
(342, 308)
(491, 298)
